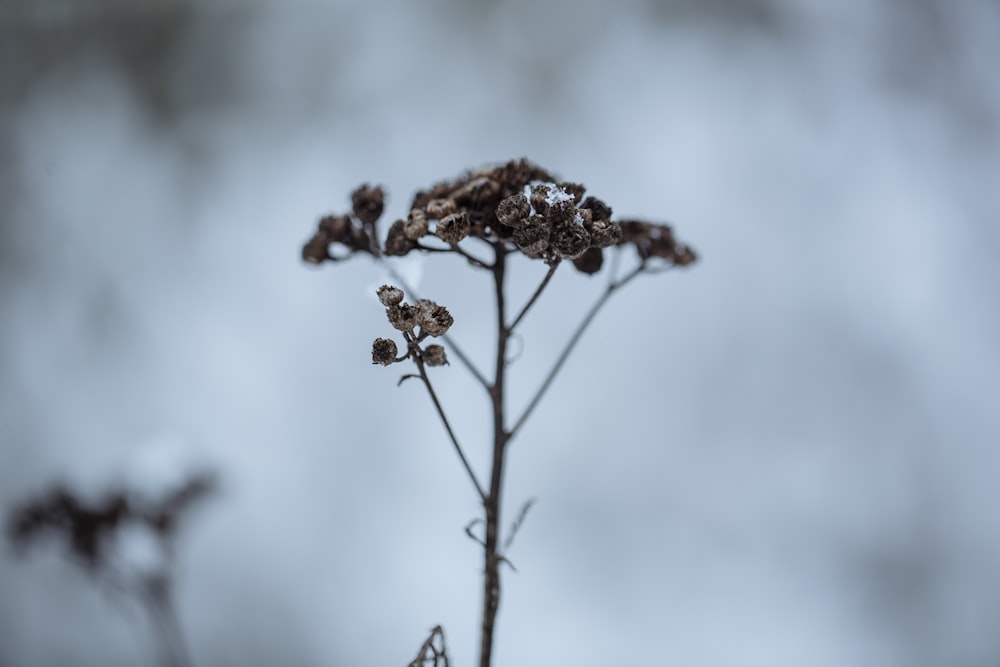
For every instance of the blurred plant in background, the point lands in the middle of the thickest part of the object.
(125, 542)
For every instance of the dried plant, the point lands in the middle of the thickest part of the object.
(92, 532)
(486, 217)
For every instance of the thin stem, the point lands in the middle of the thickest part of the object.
(574, 339)
(447, 427)
(534, 297)
(156, 596)
(491, 556)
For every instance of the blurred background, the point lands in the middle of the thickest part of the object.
(786, 455)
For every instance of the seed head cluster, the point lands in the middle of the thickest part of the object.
(518, 203)
(416, 321)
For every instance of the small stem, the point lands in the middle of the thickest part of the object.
(574, 339)
(472, 259)
(534, 297)
(156, 596)
(447, 427)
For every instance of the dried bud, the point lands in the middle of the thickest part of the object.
(317, 249)
(390, 295)
(368, 203)
(415, 225)
(358, 239)
(453, 228)
(513, 210)
(589, 262)
(599, 209)
(477, 191)
(569, 240)
(397, 243)
(434, 355)
(604, 234)
(435, 320)
(384, 351)
(337, 227)
(684, 255)
(533, 236)
(439, 208)
(403, 316)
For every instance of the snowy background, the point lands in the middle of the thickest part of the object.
(784, 457)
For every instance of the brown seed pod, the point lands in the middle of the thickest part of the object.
(390, 295)
(433, 355)
(368, 203)
(453, 228)
(384, 351)
(513, 210)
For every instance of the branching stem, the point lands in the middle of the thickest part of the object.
(613, 286)
(447, 426)
(534, 297)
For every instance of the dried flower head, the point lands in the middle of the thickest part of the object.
(453, 228)
(433, 355)
(403, 316)
(368, 203)
(336, 227)
(598, 209)
(533, 236)
(317, 249)
(569, 240)
(513, 210)
(384, 351)
(435, 320)
(415, 225)
(390, 295)
(439, 208)
(604, 234)
(590, 261)
(397, 243)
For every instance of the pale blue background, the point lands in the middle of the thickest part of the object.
(785, 457)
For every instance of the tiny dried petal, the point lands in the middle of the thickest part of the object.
(570, 240)
(397, 243)
(453, 228)
(439, 208)
(390, 295)
(415, 225)
(433, 355)
(384, 351)
(403, 316)
(368, 203)
(513, 210)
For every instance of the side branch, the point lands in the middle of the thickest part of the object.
(447, 427)
(573, 340)
(534, 297)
